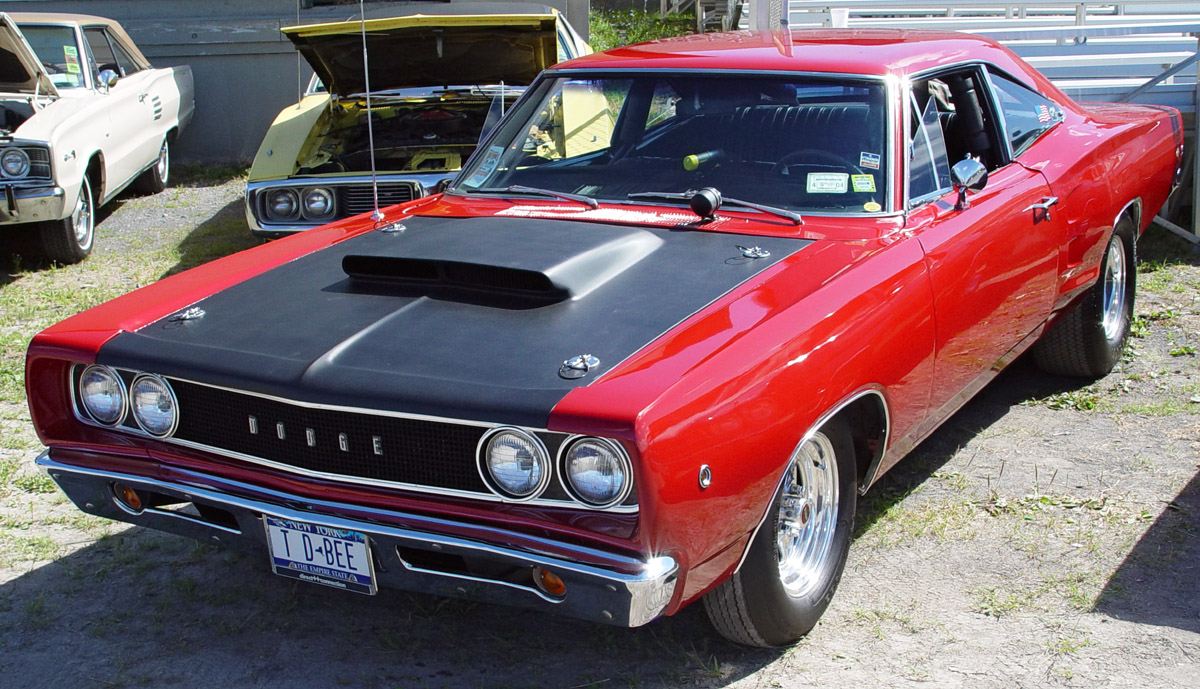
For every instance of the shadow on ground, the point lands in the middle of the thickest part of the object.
(1159, 581)
(146, 609)
(226, 232)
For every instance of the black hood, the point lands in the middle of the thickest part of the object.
(457, 318)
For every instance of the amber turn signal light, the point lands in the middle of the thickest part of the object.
(549, 582)
(128, 497)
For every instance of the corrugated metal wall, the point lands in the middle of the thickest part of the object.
(245, 70)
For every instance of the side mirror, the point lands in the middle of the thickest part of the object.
(442, 185)
(967, 174)
(109, 78)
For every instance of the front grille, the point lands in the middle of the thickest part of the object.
(357, 198)
(417, 452)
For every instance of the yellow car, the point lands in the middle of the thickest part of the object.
(437, 83)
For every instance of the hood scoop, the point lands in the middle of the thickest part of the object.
(470, 282)
(502, 264)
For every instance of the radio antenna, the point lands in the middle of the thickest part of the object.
(375, 215)
(299, 66)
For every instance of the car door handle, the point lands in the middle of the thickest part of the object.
(1044, 206)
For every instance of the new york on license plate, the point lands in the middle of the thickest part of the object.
(321, 554)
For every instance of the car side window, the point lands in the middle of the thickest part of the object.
(950, 120)
(1027, 114)
(124, 60)
(101, 50)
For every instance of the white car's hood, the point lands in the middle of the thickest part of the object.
(20, 69)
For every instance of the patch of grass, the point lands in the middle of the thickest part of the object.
(1066, 645)
(612, 28)
(1183, 350)
(35, 483)
(205, 175)
(997, 602)
(943, 521)
(1083, 399)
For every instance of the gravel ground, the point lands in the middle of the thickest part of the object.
(1045, 536)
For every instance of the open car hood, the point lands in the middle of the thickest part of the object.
(424, 51)
(20, 69)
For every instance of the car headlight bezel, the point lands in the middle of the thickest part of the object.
(311, 192)
(123, 396)
(270, 197)
(135, 411)
(568, 478)
(23, 157)
(488, 473)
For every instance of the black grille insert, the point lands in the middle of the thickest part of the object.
(419, 452)
(358, 198)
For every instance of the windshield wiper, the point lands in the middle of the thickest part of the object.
(722, 200)
(535, 191)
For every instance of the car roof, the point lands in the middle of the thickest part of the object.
(873, 52)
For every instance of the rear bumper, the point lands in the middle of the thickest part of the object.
(30, 204)
(608, 588)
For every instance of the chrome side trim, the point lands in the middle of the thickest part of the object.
(820, 422)
(1137, 201)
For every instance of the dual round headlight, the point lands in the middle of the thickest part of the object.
(291, 204)
(593, 471)
(14, 162)
(149, 398)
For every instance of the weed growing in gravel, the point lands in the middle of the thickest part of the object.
(1083, 399)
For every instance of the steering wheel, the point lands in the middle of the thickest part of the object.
(812, 155)
(52, 68)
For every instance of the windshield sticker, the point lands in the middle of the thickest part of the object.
(869, 161)
(71, 58)
(872, 207)
(488, 165)
(827, 182)
(863, 183)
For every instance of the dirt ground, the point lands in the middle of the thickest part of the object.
(1047, 535)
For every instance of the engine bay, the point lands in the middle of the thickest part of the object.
(412, 135)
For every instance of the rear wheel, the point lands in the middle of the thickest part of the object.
(70, 240)
(796, 560)
(154, 179)
(1088, 341)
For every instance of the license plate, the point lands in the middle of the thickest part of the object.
(340, 558)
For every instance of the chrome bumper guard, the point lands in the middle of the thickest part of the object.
(408, 559)
(22, 204)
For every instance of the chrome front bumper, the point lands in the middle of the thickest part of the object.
(611, 589)
(31, 204)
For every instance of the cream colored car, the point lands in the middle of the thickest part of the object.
(83, 115)
(438, 81)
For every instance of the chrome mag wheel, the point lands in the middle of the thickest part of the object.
(1113, 300)
(82, 221)
(807, 518)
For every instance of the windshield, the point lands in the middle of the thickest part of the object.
(802, 143)
(56, 49)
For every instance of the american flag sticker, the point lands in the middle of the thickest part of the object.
(1043, 113)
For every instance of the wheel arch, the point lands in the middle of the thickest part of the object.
(865, 414)
(96, 177)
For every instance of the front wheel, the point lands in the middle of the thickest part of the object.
(796, 560)
(70, 240)
(1088, 341)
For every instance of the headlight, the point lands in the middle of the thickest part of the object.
(318, 203)
(596, 472)
(282, 204)
(14, 162)
(516, 463)
(154, 405)
(103, 394)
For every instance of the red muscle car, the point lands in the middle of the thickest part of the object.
(687, 301)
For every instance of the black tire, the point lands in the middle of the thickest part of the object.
(70, 240)
(762, 606)
(1088, 341)
(155, 178)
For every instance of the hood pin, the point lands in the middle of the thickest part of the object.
(753, 251)
(191, 314)
(578, 366)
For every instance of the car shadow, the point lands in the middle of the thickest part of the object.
(1157, 582)
(223, 233)
(138, 606)
(1021, 382)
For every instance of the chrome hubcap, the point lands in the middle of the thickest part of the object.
(81, 219)
(163, 164)
(1114, 290)
(807, 516)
